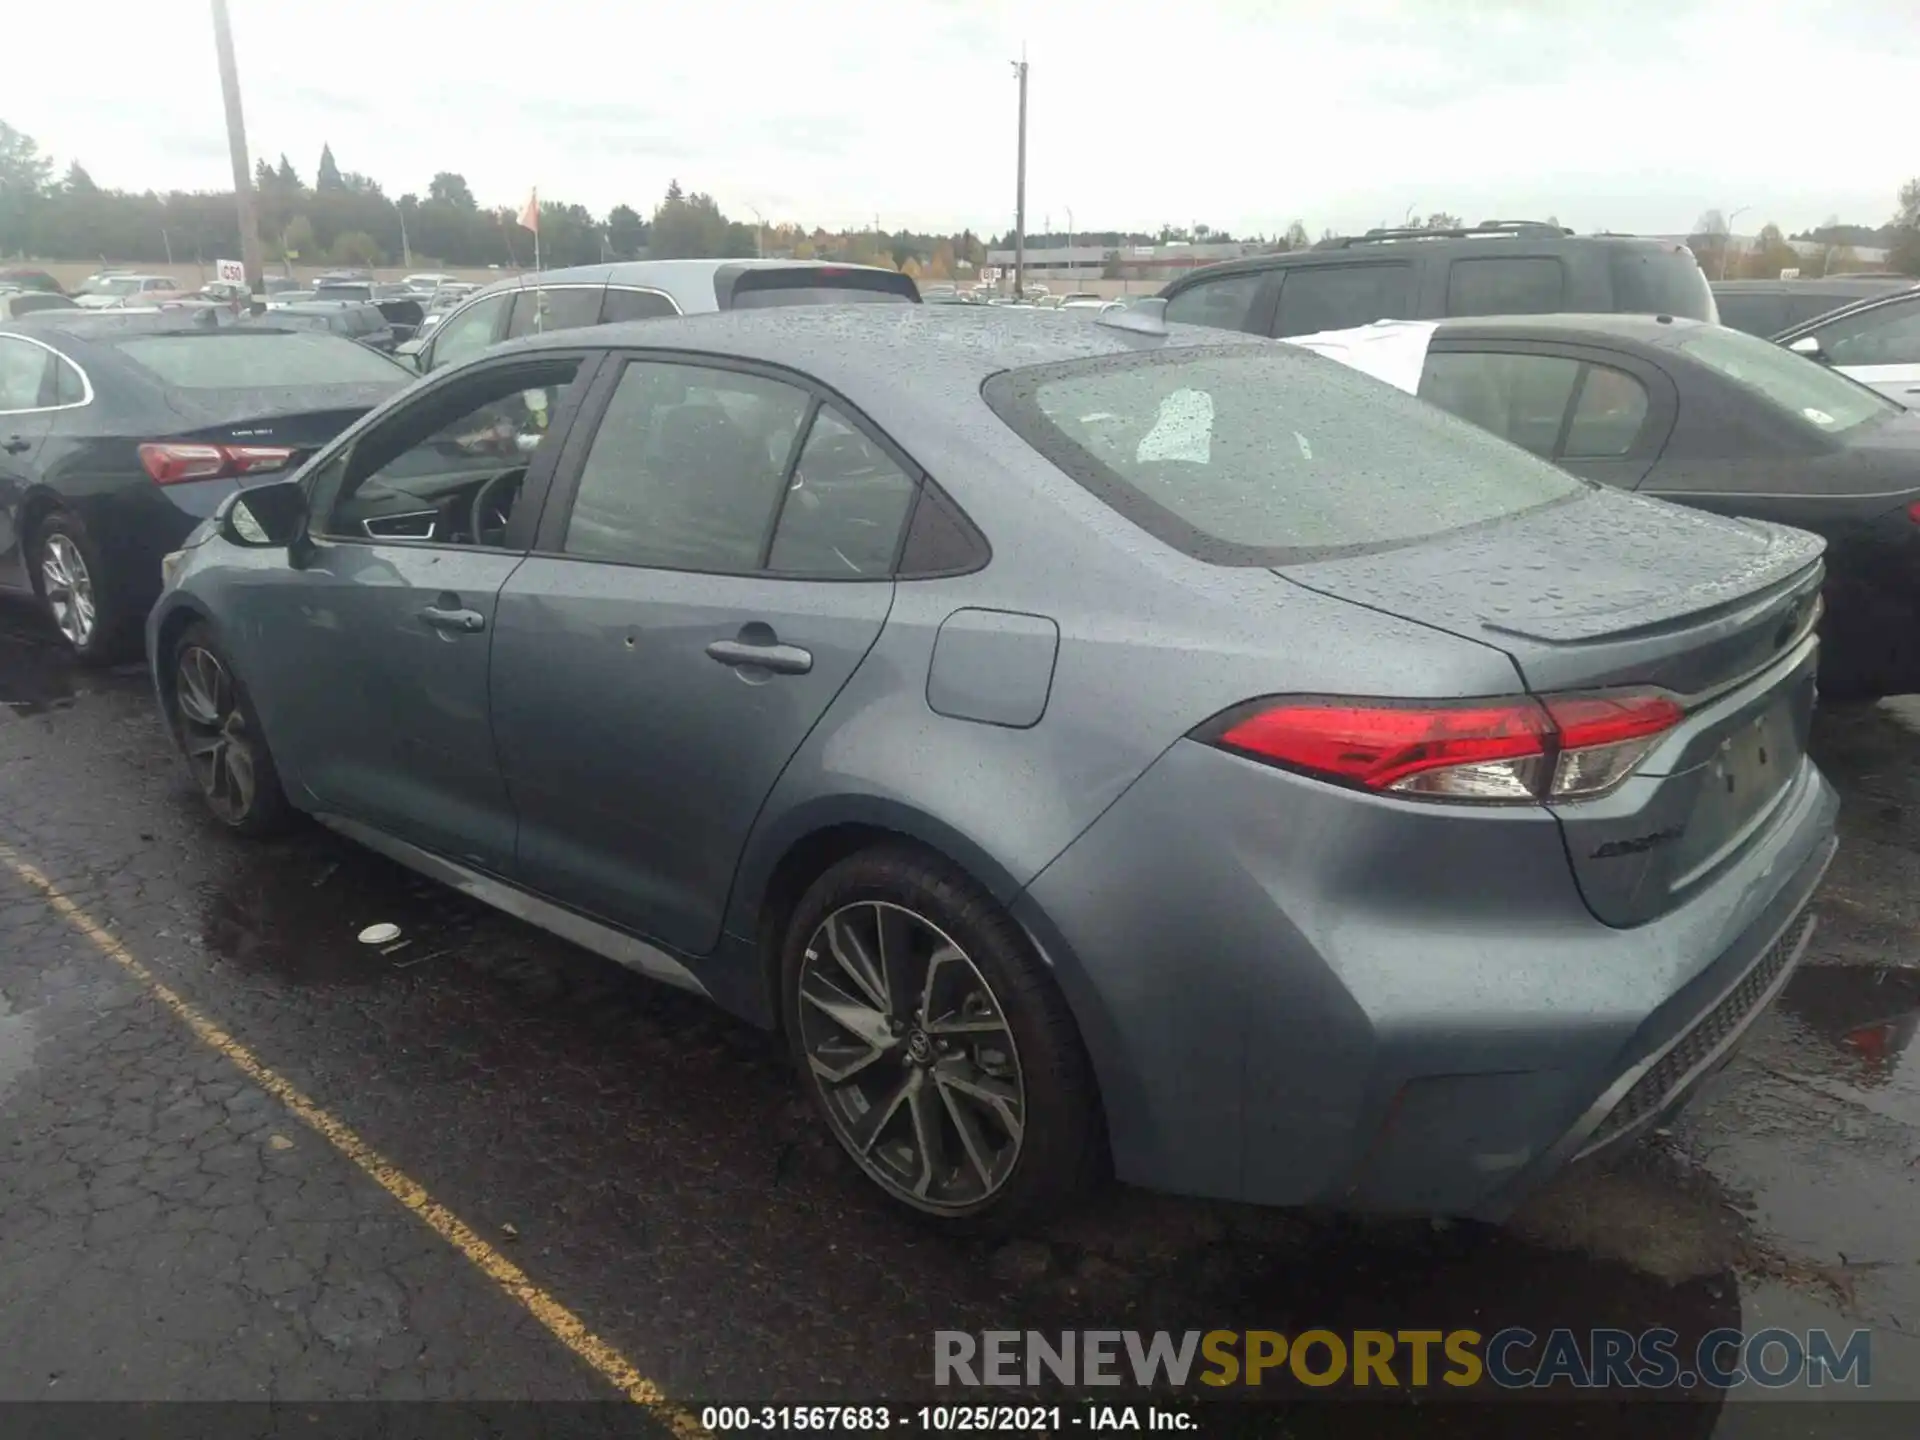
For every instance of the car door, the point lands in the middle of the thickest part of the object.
(34, 383)
(715, 564)
(1601, 414)
(1878, 347)
(376, 646)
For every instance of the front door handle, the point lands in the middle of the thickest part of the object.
(16, 445)
(781, 659)
(456, 622)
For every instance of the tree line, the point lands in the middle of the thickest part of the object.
(345, 217)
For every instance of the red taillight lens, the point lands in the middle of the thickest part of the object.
(1913, 512)
(172, 462)
(1512, 750)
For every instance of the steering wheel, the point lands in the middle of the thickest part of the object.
(492, 506)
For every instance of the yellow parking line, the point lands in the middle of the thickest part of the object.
(562, 1323)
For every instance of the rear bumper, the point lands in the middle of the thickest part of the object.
(1297, 995)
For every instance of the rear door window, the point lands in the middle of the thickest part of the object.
(1608, 417)
(1339, 297)
(539, 310)
(1225, 304)
(1521, 398)
(844, 507)
(686, 469)
(1265, 455)
(23, 374)
(1506, 285)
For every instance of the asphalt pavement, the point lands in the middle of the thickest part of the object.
(244, 1157)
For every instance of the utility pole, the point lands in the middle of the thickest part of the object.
(1020, 190)
(237, 143)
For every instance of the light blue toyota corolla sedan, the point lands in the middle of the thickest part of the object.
(1096, 746)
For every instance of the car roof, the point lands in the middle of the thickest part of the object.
(103, 325)
(889, 347)
(1869, 285)
(1398, 244)
(689, 281)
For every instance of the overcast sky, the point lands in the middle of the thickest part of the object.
(1241, 114)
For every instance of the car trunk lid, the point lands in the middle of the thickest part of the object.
(1608, 592)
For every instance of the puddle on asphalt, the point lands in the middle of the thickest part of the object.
(1868, 1015)
(295, 911)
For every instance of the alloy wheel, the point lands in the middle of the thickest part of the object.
(911, 1052)
(69, 589)
(218, 744)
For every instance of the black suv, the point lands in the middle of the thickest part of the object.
(1503, 267)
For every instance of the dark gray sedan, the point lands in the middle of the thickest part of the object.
(1092, 743)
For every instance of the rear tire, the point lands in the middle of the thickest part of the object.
(935, 1045)
(219, 733)
(72, 583)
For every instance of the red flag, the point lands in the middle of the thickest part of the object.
(530, 216)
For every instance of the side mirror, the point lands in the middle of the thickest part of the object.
(263, 517)
(1809, 346)
(412, 352)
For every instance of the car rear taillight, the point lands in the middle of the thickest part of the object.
(1564, 747)
(1913, 512)
(171, 462)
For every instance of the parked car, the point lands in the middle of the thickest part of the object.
(426, 282)
(328, 289)
(954, 692)
(25, 277)
(117, 290)
(15, 303)
(1716, 419)
(361, 322)
(1875, 341)
(120, 430)
(1767, 307)
(225, 292)
(1499, 268)
(279, 284)
(644, 289)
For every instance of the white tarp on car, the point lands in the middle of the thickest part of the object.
(1391, 350)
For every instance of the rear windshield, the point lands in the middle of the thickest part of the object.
(258, 360)
(1806, 389)
(1259, 455)
(764, 289)
(1664, 280)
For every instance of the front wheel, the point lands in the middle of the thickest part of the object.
(936, 1046)
(221, 738)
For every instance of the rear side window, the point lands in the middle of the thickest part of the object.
(765, 289)
(1225, 304)
(1506, 285)
(537, 311)
(1660, 280)
(258, 360)
(1339, 297)
(39, 300)
(634, 305)
(23, 374)
(1521, 398)
(1264, 456)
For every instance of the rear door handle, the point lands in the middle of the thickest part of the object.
(781, 659)
(16, 445)
(456, 622)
